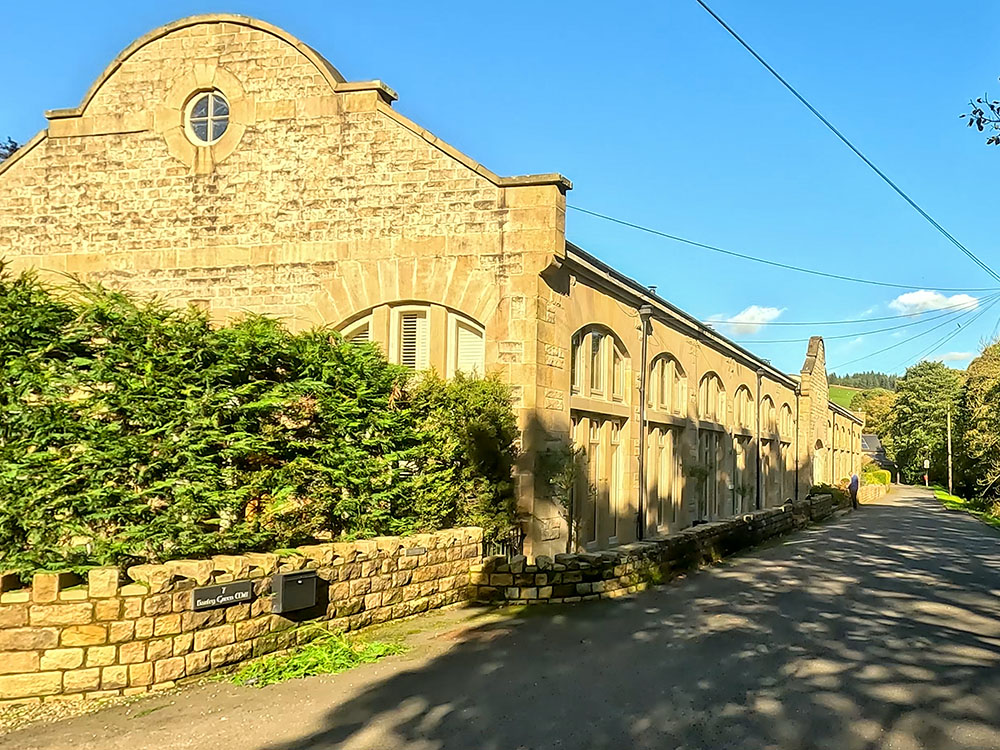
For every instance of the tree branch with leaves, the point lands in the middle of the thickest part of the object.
(985, 116)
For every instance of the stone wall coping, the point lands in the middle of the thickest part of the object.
(648, 547)
(585, 576)
(182, 575)
(385, 92)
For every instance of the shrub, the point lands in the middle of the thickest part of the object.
(131, 431)
(875, 475)
(840, 495)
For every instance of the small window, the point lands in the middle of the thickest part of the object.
(207, 117)
(666, 383)
(576, 363)
(617, 375)
(596, 363)
(413, 344)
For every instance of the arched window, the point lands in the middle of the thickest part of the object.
(421, 335)
(712, 399)
(786, 425)
(666, 389)
(743, 411)
(598, 365)
(768, 416)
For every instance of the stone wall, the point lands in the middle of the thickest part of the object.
(113, 634)
(869, 493)
(568, 578)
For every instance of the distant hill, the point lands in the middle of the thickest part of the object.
(864, 380)
(842, 395)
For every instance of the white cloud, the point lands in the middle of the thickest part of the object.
(923, 300)
(748, 321)
(954, 357)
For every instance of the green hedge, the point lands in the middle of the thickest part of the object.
(876, 476)
(132, 431)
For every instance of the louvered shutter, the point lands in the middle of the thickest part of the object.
(413, 340)
(470, 350)
(361, 335)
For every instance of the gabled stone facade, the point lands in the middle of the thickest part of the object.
(319, 203)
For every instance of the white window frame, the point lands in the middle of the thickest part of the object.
(352, 330)
(455, 322)
(396, 333)
(600, 370)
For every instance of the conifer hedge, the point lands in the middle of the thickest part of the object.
(133, 431)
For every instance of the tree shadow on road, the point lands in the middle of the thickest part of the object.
(878, 630)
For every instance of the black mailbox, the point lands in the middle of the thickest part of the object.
(293, 591)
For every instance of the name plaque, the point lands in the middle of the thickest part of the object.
(223, 595)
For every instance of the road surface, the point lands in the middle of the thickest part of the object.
(877, 630)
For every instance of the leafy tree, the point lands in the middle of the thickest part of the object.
(131, 431)
(984, 116)
(918, 425)
(878, 405)
(7, 148)
(979, 427)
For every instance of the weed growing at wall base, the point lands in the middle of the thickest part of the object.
(328, 653)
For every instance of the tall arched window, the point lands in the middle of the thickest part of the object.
(666, 389)
(743, 411)
(598, 409)
(712, 399)
(786, 423)
(768, 416)
(598, 365)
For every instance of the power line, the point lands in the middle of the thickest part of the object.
(858, 320)
(851, 146)
(944, 339)
(774, 263)
(968, 306)
(901, 343)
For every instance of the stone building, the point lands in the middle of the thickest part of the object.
(219, 161)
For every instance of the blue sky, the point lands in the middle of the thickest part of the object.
(660, 118)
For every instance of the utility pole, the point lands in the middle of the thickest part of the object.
(949, 452)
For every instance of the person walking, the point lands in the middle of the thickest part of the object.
(853, 489)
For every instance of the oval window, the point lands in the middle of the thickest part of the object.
(207, 117)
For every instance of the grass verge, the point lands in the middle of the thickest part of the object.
(954, 502)
(328, 653)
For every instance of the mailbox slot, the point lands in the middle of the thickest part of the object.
(292, 591)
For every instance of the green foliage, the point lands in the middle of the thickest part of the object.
(842, 395)
(871, 474)
(840, 496)
(560, 467)
(979, 426)
(917, 428)
(465, 454)
(327, 653)
(131, 431)
(866, 380)
(878, 404)
(7, 148)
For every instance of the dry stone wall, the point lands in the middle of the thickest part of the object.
(568, 578)
(113, 634)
